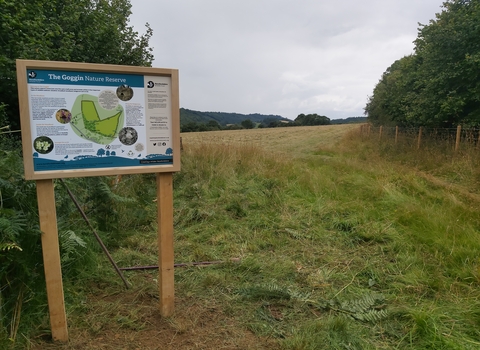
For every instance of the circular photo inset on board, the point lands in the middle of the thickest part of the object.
(124, 92)
(63, 116)
(43, 144)
(108, 99)
(128, 136)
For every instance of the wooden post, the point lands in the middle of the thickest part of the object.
(396, 134)
(381, 131)
(478, 139)
(419, 137)
(457, 139)
(165, 243)
(51, 259)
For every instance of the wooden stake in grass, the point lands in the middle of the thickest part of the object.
(419, 137)
(478, 140)
(165, 243)
(457, 139)
(51, 259)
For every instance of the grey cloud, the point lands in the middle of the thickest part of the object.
(281, 56)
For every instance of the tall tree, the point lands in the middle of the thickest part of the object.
(247, 124)
(93, 31)
(439, 85)
(311, 119)
(391, 102)
(449, 48)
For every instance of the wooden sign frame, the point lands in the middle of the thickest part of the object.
(160, 109)
(78, 144)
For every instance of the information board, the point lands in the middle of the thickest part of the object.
(82, 119)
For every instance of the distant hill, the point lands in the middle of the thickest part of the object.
(223, 118)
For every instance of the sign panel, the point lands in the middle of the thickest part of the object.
(87, 119)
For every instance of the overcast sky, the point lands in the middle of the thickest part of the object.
(282, 57)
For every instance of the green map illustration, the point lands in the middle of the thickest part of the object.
(94, 123)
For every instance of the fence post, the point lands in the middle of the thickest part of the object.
(457, 140)
(419, 137)
(478, 140)
(381, 131)
(396, 134)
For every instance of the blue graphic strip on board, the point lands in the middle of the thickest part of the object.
(92, 162)
(41, 76)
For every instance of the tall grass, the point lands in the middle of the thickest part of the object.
(327, 243)
(342, 222)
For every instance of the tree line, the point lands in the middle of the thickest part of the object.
(439, 84)
(301, 120)
(92, 31)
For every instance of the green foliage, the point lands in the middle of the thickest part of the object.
(267, 292)
(334, 333)
(111, 204)
(349, 120)
(370, 307)
(109, 207)
(195, 127)
(438, 85)
(247, 124)
(311, 119)
(71, 246)
(393, 96)
(22, 285)
(8, 246)
(7, 139)
(21, 271)
(93, 31)
(195, 121)
(103, 203)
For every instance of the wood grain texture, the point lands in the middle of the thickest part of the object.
(165, 243)
(51, 259)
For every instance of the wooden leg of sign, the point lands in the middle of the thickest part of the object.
(51, 259)
(165, 243)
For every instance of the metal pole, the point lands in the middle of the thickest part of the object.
(200, 263)
(99, 240)
(153, 267)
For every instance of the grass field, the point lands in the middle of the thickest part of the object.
(298, 141)
(326, 241)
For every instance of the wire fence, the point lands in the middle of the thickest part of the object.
(454, 138)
